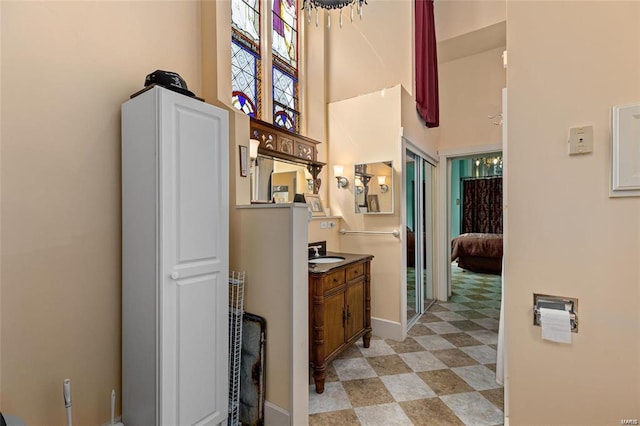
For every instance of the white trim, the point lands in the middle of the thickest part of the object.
(387, 329)
(275, 415)
(625, 173)
(444, 216)
(472, 150)
(505, 249)
(299, 313)
(403, 235)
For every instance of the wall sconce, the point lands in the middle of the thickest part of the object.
(359, 186)
(338, 172)
(253, 148)
(382, 181)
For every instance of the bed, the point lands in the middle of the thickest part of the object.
(478, 252)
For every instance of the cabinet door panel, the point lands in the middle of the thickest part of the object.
(355, 308)
(194, 261)
(333, 324)
(198, 353)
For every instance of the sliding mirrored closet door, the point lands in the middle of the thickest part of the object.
(419, 192)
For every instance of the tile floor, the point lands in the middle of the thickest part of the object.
(442, 374)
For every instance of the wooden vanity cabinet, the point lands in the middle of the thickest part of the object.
(339, 313)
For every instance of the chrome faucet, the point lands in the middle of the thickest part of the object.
(316, 248)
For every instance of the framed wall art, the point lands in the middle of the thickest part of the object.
(373, 204)
(315, 204)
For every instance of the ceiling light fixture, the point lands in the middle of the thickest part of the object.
(332, 4)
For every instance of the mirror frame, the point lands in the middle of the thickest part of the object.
(282, 144)
(361, 172)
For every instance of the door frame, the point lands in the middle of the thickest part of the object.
(434, 161)
(444, 210)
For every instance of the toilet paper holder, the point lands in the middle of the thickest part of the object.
(569, 304)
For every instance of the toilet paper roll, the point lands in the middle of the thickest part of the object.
(556, 325)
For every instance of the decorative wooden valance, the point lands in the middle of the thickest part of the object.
(280, 143)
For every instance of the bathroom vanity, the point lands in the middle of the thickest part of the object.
(339, 309)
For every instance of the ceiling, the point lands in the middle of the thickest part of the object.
(471, 43)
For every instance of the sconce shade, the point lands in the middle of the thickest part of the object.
(383, 185)
(253, 148)
(338, 171)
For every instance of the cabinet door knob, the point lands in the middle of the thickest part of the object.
(175, 275)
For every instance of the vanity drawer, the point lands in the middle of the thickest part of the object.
(355, 271)
(334, 279)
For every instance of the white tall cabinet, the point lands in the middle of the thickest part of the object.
(175, 258)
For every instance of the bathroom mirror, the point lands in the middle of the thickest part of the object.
(283, 164)
(274, 179)
(373, 187)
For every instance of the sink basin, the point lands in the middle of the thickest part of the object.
(326, 259)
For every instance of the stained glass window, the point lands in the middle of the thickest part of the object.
(285, 35)
(245, 21)
(285, 64)
(281, 57)
(285, 100)
(245, 56)
(244, 80)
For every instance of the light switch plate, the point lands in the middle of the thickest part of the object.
(580, 140)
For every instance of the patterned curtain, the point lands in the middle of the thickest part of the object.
(482, 205)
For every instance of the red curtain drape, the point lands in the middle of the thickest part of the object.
(426, 64)
(482, 205)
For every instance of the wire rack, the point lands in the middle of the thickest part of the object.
(236, 309)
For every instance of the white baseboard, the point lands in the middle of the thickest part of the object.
(275, 415)
(386, 329)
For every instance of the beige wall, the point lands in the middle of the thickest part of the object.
(471, 90)
(565, 235)
(273, 258)
(372, 53)
(356, 138)
(330, 234)
(457, 17)
(413, 128)
(66, 69)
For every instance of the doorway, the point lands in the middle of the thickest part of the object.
(419, 229)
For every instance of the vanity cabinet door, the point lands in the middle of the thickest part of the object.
(334, 336)
(355, 308)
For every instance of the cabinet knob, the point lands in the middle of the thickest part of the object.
(175, 275)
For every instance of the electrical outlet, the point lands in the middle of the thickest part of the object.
(332, 224)
(580, 140)
(323, 225)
